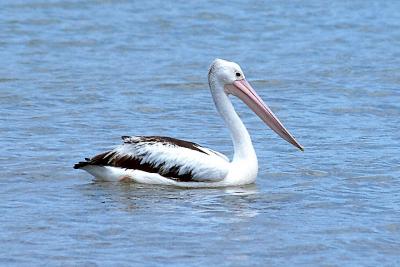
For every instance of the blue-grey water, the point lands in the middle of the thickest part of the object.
(76, 75)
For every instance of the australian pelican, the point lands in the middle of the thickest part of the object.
(169, 161)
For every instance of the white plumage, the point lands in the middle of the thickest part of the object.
(165, 160)
(204, 166)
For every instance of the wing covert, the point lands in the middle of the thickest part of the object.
(172, 158)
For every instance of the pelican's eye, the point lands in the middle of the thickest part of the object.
(237, 74)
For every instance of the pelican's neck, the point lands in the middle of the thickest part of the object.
(243, 148)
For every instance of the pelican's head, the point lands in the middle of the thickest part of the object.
(225, 72)
(231, 78)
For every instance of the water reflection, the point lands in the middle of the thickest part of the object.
(232, 204)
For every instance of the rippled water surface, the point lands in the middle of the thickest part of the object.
(76, 75)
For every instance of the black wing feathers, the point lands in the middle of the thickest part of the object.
(128, 162)
(163, 140)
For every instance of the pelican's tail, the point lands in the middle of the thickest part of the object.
(81, 164)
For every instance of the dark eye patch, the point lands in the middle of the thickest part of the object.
(237, 74)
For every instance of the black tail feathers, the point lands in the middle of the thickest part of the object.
(82, 164)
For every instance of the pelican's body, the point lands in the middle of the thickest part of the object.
(169, 161)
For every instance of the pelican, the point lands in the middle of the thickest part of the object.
(170, 161)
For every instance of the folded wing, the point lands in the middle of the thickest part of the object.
(172, 158)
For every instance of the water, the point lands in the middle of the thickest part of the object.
(76, 75)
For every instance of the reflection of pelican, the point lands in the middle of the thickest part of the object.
(247, 190)
(165, 160)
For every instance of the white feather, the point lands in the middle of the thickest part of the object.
(203, 166)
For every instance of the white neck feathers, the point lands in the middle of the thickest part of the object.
(243, 148)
